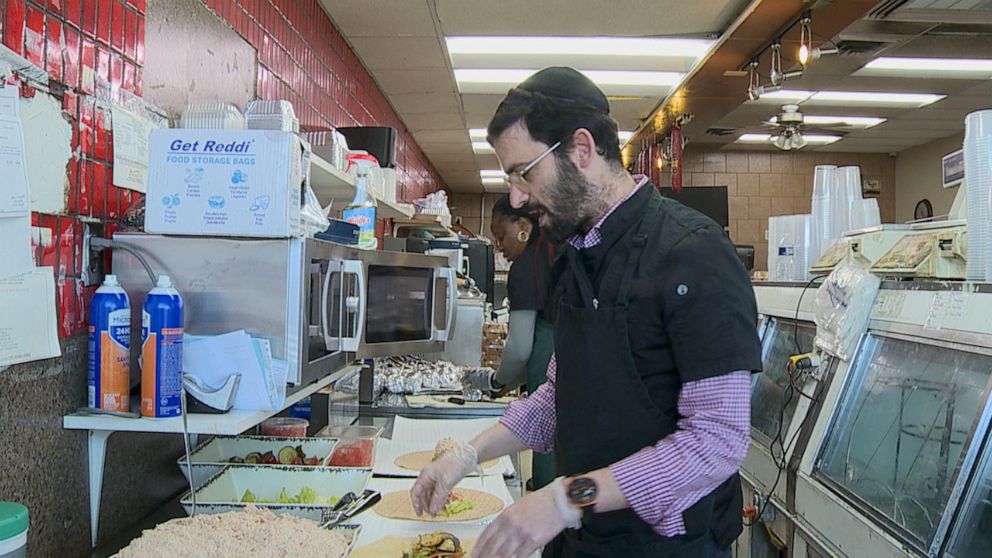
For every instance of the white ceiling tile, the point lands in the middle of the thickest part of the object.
(586, 17)
(481, 104)
(460, 149)
(438, 121)
(399, 53)
(458, 135)
(381, 17)
(398, 82)
(581, 61)
(416, 103)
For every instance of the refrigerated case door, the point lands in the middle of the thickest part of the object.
(899, 444)
(773, 396)
(972, 534)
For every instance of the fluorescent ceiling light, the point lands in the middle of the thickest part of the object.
(482, 147)
(492, 181)
(931, 65)
(857, 121)
(880, 98)
(593, 46)
(754, 138)
(484, 174)
(477, 134)
(854, 97)
(600, 77)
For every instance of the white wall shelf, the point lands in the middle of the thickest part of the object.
(232, 423)
(332, 184)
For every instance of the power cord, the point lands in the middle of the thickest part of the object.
(100, 244)
(790, 391)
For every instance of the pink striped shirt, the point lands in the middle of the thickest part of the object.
(660, 481)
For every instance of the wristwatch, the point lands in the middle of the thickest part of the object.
(583, 493)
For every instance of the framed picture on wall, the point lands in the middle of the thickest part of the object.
(871, 186)
(952, 169)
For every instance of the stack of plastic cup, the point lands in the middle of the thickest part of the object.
(978, 181)
(824, 177)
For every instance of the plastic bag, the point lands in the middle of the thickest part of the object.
(843, 307)
(313, 217)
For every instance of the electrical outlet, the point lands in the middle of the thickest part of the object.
(93, 260)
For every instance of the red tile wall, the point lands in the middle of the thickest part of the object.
(86, 46)
(95, 49)
(305, 59)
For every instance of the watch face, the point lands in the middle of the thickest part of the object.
(582, 491)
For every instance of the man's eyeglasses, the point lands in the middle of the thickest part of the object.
(518, 178)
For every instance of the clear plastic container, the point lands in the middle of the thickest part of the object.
(356, 445)
(285, 427)
(212, 116)
(269, 107)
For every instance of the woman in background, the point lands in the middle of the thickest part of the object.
(530, 341)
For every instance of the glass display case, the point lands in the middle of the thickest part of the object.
(773, 398)
(902, 429)
(972, 536)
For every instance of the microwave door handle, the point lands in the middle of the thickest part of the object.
(330, 343)
(355, 305)
(449, 323)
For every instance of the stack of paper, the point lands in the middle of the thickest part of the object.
(213, 359)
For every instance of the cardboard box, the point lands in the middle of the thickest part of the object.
(226, 182)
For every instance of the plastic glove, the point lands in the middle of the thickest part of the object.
(430, 493)
(529, 524)
(482, 379)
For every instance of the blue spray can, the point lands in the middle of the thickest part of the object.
(162, 351)
(109, 379)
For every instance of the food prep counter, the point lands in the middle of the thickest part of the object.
(399, 435)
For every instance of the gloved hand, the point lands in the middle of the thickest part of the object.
(482, 379)
(430, 492)
(529, 524)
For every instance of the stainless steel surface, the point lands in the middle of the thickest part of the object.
(264, 286)
(465, 347)
(442, 313)
(309, 297)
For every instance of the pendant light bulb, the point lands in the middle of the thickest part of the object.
(805, 40)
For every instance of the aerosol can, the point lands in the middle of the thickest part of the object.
(109, 379)
(162, 351)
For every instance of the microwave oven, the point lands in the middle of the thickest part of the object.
(321, 305)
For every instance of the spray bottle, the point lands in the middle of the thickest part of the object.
(162, 351)
(109, 379)
(361, 211)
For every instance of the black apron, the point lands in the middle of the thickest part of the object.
(605, 412)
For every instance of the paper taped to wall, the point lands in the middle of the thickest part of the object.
(131, 133)
(15, 198)
(28, 323)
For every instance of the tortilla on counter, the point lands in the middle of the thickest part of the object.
(417, 460)
(398, 505)
(394, 547)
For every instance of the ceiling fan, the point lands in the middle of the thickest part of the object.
(788, 129)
